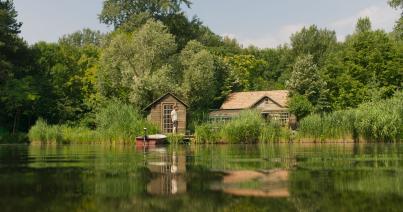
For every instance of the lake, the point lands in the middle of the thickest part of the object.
(272, 177)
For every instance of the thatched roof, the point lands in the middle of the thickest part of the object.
(247, 100)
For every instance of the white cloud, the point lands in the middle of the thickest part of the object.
(270, 40)
(382, 17)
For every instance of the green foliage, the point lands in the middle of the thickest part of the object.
(300, 106)
(248, 127)
(363, 25)
(115, 122)
(175, 138)
(246, 72)
(207, 133)
(82, 38)
(315, 42)
(376, 121)
(121, 122)
(243, 129)
(305, 79)
(118, 12)
(198, 77)
(135, 65)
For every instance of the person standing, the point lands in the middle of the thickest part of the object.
(174, 117)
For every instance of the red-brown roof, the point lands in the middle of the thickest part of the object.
(245, 100)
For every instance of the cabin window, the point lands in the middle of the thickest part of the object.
(282, 117)
(166, 119)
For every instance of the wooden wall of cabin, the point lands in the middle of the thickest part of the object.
(156, 114)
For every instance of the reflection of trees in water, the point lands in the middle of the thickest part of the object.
(319, 177)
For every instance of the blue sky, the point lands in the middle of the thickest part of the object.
(263, 23)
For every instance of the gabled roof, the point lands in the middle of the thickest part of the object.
(247, 100)
(162, 97)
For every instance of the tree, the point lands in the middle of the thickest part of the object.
(305, 79)
(300, 106)
(130, 58)
(118, 12)
(246, 72)
(396, 3)
(367, 66)
(363, 25)
(313, 41)
(198, 77)
(82, 38)
(18, 90)
(9, 41)
(398, 31)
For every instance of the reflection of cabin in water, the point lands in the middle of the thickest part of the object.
(159, 113)
(168, 171)
(271, 104)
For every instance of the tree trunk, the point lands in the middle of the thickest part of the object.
(16, 118)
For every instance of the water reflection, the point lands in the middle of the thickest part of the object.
(271, 183)
(280, 177)
(168, 171)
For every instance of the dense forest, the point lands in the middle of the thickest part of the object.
(155, 48)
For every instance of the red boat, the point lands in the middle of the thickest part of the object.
(151, 140)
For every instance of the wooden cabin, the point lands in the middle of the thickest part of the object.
(159, 113)
(271, 104)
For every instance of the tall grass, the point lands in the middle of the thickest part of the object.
(245, 128)
(248, 127)
(121, 122)
(115, 122)
(376, 121)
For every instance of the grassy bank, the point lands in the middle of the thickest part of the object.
(248, 127)
(372, 122)
(116, 122)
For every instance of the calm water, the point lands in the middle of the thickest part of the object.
(283, 177)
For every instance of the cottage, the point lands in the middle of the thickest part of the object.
(271, 104)
(159, 113)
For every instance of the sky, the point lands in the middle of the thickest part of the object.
(262, 23)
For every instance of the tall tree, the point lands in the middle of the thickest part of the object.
(198, 77)
(82, 38)
(305, 79)
(118, 12)
(129, 58)
(316, 42)
(17, 78)
(363, 25)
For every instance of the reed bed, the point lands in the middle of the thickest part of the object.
(372, 122)
(116, 122)
(248, 127)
